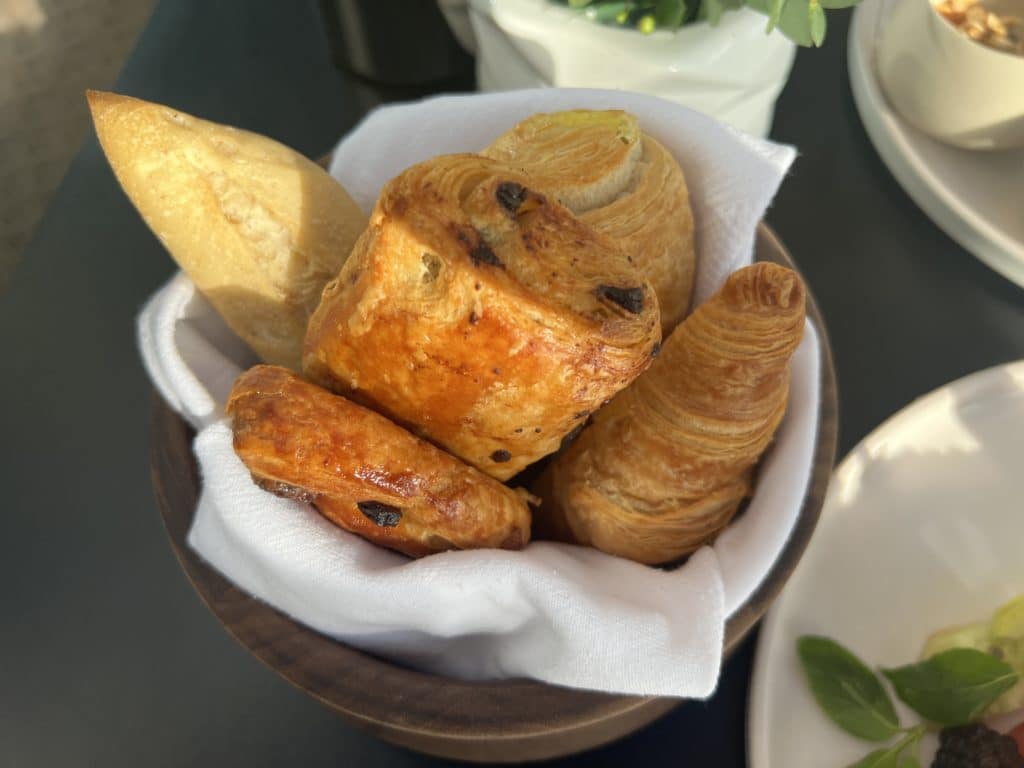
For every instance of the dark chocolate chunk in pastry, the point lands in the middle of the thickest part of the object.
(482, 314)
(366, 474)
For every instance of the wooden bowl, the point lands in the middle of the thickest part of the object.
(503, 721)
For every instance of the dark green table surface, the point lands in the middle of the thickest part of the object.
(107, 656)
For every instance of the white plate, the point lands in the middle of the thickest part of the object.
(923, 527)
(977, 198)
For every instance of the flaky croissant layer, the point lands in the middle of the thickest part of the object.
(664, 467)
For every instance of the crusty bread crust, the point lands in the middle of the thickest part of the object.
(258, 227)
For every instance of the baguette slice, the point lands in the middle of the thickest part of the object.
(258, 227)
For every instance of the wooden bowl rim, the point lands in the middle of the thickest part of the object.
(516, 712)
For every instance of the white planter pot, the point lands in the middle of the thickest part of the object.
(732, 71)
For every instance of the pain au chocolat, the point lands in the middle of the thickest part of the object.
(664, 467)
(481, 313)
(621, 182)
(366, 474)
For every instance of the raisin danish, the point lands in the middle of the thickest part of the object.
(664, 467)
(366, 474)
(481, 314)
(621, 182)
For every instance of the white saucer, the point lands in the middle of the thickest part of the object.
(922, 528)
(977, 198)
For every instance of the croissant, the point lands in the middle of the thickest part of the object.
(258, 227)
(366, 474)
(664, 467)
(621, 182)
(482, 314)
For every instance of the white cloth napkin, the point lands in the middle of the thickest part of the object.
(562, 614)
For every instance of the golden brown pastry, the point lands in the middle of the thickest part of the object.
(653, 222)
(664, 467)
(620, 181)
(586, 158)
(366, 474)
(482, 314)
(259, 228)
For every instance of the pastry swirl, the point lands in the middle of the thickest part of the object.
(621, 182)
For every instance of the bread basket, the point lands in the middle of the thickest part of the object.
(494, 721)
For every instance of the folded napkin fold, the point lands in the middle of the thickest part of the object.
(565, 615)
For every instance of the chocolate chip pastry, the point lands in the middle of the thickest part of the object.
(482, 314)
(366, 474)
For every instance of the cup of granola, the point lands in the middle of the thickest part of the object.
(954, 69)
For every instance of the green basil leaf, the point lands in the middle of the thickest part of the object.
(816, 20)
(902, 754)
(886, 757)
(953, 687)
(774, 13)
(669, 14)
(847, 690)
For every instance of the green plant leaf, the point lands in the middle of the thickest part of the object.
(774, 13)
(886, 757)
(579, 3)
(794, 22)
(953, 687)
(902, 754)
(847, 690)
(669, 14)
(837, 4)
(816, 20)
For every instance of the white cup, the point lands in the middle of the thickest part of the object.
(946, 84)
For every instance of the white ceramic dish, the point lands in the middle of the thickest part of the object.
(943, 82)
(977, 198)
(732, 71)
(922, 528)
